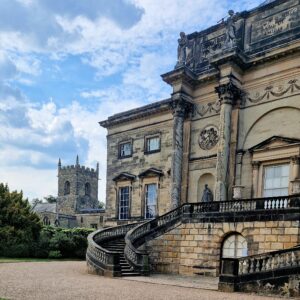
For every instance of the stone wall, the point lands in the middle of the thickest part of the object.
(138, 163)
(91, 220)
(195, 248)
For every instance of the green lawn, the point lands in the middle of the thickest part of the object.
(15, 260)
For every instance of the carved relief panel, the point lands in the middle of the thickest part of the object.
(209, 137)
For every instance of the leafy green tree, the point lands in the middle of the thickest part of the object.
(51, 199)
(19, 226)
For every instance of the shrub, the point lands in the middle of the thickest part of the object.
(55, 254)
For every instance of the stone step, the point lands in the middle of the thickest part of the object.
(130, 274)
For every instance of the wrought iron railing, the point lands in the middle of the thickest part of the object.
(102, 260)
(156, 227)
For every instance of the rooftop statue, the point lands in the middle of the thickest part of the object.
(182, 49)
(231, 28)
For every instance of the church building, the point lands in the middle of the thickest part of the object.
(207, 181)
(77, 200)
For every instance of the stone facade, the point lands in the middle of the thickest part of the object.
(77, 188)
(195, 248)
(232, 120)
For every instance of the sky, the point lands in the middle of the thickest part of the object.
(65, 65)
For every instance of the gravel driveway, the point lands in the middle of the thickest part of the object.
(69, 280)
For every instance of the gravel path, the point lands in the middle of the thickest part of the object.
(69, 280)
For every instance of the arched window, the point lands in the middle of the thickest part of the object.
(46, 221)
(67, 188)
(87, 189)
(234, 246)
(56, 223)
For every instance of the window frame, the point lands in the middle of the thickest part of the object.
(119, 203)
(146, 202)
(123, 143)
(264, 167)
(148, 138)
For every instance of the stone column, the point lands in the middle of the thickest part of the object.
(255, 178)
(295, 162)
(296, 178)
(228, 93)
(181, 106)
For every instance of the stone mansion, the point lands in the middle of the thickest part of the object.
(207, 181)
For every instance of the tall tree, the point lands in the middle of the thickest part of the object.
(19, 225)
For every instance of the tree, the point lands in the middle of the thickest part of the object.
(51, 199)
(35, 201)
(101, 204)
(19, 225)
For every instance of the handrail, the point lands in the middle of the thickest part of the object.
(99, 257)
(153, 228)
(158, 226)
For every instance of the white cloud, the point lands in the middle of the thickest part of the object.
(34, 134)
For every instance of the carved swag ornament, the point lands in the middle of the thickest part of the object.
(208, 138)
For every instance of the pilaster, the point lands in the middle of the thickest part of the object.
(228, 93)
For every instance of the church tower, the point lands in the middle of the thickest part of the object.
(77, 188)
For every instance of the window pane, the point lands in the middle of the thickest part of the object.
(124, 203)
(125, 149)
(150, 201)
(153, 144)
(276, 181)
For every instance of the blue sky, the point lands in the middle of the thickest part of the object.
(66, 65)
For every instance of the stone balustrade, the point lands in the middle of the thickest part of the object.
(269, 261)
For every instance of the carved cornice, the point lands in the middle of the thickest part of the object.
(229, 93)
(276, 92)
(183, 74)
(138, 113)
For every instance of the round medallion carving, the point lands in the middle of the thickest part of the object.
(208, 138)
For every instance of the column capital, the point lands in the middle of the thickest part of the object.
(181, 105)
(229, 93)
(296, 159)
(255, 165)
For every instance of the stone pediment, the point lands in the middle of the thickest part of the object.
(275, 142)
(124, 176)
(151, 172)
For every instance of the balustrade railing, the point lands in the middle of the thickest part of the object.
(267, 204)
(153, 228)
(260, 264)
(102, 259)
(269, 261)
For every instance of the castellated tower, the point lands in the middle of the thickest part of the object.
(77, 188)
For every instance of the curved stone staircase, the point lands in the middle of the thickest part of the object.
(116, 251)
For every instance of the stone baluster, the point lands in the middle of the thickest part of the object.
(294, 259)
(181, 107)
(251, 265)
(228, 95)
(245, 266)
(257, 267)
